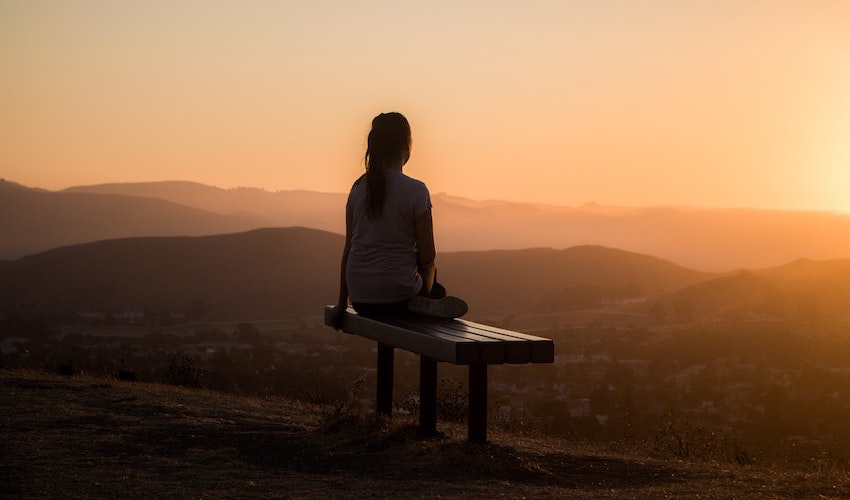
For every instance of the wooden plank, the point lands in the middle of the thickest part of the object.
(438, 346)
(516, 351)
(490, 351)
(542, 349)
(496, 329)
(520, 348)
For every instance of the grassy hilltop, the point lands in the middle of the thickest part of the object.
(83, 437)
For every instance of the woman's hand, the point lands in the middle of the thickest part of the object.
(336, 316)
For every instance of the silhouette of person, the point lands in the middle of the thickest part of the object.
(387, 264)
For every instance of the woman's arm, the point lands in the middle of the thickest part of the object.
(427, 253)
(342, 301)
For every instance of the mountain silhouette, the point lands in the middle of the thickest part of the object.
(803, 290)
(286, 272)
(261, 273)
(509, 280)
(716, 240)
(281, 208)
(32, 220)
(290, 272)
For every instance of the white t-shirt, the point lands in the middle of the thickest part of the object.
(381, 267)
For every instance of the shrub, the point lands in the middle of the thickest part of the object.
(126, 375)
(182, 369)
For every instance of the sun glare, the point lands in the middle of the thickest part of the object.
(835, 181)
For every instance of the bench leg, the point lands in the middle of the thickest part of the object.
(384, 398)
(427, 396)
(478, 403)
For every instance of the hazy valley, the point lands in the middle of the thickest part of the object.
(716, 240)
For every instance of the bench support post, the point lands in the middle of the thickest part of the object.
(478, 403)
(427, 396)
(384, 398)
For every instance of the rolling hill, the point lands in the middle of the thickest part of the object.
(291, 272)
(285, 272)
(262, 273)
(804, 290)
(716, 240)
(517, 280)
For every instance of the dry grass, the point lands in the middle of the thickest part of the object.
(92, 438)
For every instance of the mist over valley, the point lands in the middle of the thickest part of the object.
(715, 240)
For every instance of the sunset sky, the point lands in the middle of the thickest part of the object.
(630, 103)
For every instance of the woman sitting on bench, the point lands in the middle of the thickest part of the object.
(388, 261)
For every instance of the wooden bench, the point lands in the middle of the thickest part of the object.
(454, 341)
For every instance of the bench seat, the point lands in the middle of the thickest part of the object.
(454, 341)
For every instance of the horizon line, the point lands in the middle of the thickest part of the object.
(584, 204)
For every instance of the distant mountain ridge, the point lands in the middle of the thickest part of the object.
(292, 272)
(282, 208)
(288, 272)
(707, 239)
(715, 240)
(33, 220)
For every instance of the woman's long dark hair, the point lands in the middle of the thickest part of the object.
(389, 141)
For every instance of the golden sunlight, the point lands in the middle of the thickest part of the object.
(835, 163)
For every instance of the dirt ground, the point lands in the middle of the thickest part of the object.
(79, 437)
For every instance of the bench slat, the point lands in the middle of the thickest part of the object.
(438, 346)
(542, 349)
(491, 351)
(516, 351)
(520, 347)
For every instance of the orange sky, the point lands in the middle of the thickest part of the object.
(715, 102)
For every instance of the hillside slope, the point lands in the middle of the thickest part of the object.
(286, 272)
(291, 272)
(699, 238)
(515, 280)
(804, 290)
(258, 274)
(84, 438)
